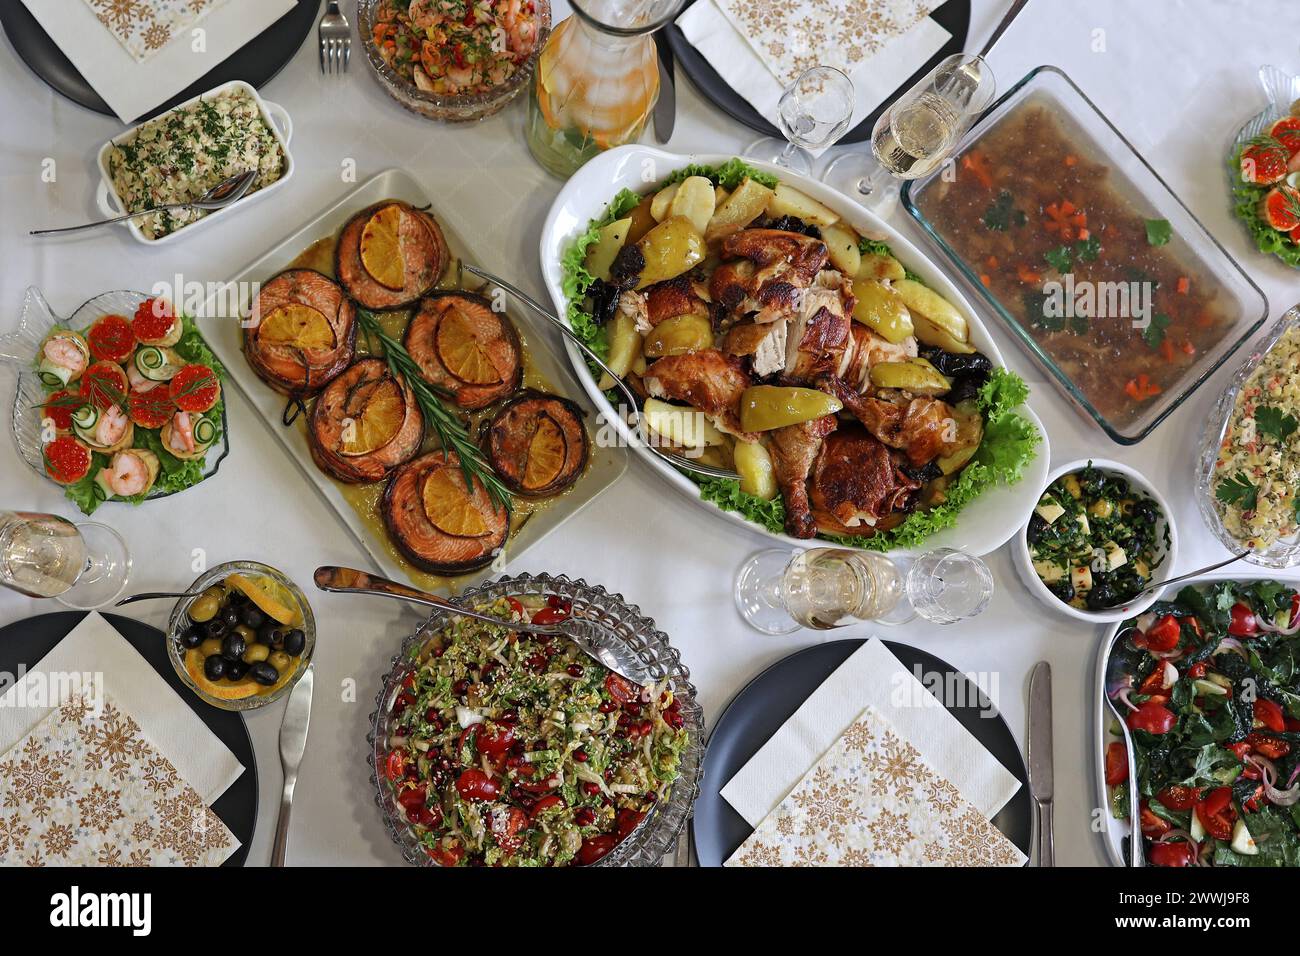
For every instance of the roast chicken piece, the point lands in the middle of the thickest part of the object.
(919, 428)
(766, 270)
(820, 331)
(865, 349)
(794, 449)
(707, 380)
(673, 297)
(857, 482)
(764, 343)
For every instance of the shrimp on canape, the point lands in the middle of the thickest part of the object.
(129, 473)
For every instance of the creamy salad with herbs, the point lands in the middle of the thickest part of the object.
(182, 154)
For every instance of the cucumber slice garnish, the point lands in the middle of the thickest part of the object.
(205, 432)
(85, 416)
(152, 362)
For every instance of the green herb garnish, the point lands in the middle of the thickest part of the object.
(1159, 232)
(1154, 333)
(1238, 490)
(998, 216)
(1275, 422)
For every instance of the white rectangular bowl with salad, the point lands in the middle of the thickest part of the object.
(995, 486)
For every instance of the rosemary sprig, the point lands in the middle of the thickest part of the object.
(448, 427)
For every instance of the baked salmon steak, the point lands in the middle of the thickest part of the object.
(441, 524)
(465, 349)
(301, 332)
(537, 444)
(365, 424)
(389, 255)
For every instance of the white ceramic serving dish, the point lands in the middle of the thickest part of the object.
(223, 332)
(1164, 568)
(985, 524)
(1113, 832)
(277, 121)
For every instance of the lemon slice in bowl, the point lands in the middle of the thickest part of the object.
(381, 248)
(449, 506)
(271, 597)
(378, 423)
(297, 326)
(546, 454)
(461, 353)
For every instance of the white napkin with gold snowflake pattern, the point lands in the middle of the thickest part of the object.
(146, 26)
(872, 800)
(86, 788)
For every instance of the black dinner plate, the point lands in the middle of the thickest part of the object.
(255, 62)
(26, 642)
(769, 700)
(953, 16)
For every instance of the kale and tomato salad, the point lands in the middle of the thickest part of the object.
(514, 749)
(1212, 697)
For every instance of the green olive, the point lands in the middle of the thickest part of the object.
(204, 608)
(915, 375)
(209, 647)
(247, 633)
(255, 653)
(764, 407)
(280, 661)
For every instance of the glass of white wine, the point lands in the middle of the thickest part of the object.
(778, 592)
(918, 131)
(82, 566)
(814, 112)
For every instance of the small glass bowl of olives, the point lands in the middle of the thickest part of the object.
(245, 636)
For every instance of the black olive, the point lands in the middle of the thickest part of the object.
(264, 673)
(1102, 596)
(604, 301)
(1063, 589)
(230, 615)
(1147, 511)
(266, 634)
(214, 667)
(1037, 525)
(964, 389)
(215, 627)
(235, 670)
(192, 636)
(295, 642)
(1092, 481)
(250, 614)
(975, 364)
(233, 646)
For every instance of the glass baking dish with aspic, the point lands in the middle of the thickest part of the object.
(1075, 242)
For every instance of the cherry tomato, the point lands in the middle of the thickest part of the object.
(506, 828)
(496, 741)
(1173, 853)
(1153, 717)
(544, 804)
(1197, 670)
(1270, 714)
(516, 607)
(395, 765)
(1267, 746)
(446, 852)
(1216, 813)
(1116, 763)
(594, 848)
(550, 615)
(476, 785)
(1153, 825)
(1243, 622)
(1155, 681)
(1161, 636)
(1179, 797)
(1240, 749)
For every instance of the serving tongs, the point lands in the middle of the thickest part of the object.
(591, 637)
(636, 418)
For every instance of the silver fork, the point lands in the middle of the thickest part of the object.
(335, 40)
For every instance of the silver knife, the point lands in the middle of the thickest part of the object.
(1040, 758)
(666, 106)
(293, 741)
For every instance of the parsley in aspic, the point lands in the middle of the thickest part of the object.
(998, 216)
(1159, 232)
(1154, 333)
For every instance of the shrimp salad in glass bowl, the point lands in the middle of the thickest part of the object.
(454, 59)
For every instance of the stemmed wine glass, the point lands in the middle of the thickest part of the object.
(82, 566)
(814, 112)
(918, 131)
(778, 592)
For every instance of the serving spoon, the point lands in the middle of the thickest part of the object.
(584, 632)
(1115, 677)
(636, 414)
(221, 195)
(1182, 577)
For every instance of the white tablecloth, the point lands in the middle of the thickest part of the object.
(1170, 75)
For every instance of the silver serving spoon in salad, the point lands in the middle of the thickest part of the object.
(1116, 681)
(1182, 577)
(221, 195)
(634, 410)
(594, 639)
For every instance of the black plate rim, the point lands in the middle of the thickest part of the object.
(954, 16)
(245, 785)
(48, 63)
(711, 792)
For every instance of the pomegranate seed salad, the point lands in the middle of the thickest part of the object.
(512, 749)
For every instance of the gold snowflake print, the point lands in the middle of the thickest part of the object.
(100, 808)
(58, 838)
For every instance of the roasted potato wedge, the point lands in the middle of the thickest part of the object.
(670, 248)
(754, 465)
(694, 200)
(678, 335)
(642, 220)
(788, 201)
(765, 407)
(915, 375)
(624, 347)
(685, 427)
(663, 201)
(878, 265)
(881, 309)
(967, 433)
(749, 201)
(922, 300)
(600, 256)
(842, 244)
